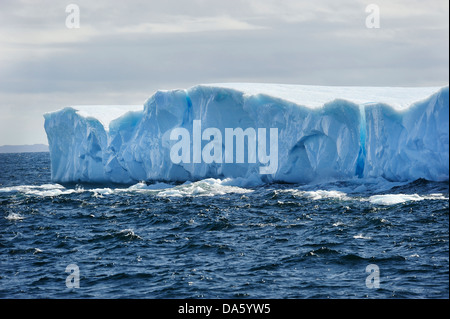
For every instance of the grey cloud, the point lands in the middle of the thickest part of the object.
(119, 55)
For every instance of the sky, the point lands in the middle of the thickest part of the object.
(123, 51)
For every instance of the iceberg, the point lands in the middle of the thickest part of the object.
(322, 133)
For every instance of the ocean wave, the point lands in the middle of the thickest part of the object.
(394, 199)
(318, 194)
(44, 190)
(14, 216)
(206, 187)
(350, 191)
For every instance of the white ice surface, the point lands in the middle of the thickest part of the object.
(315, 96)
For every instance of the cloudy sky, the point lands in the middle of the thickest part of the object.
(124, 51)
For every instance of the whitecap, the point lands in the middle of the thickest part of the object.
(393, 199)
(338, 223)
(321, 194)
(144, 186)
(361, 236)
(45, 190)
(205, 187)
(129, 233)
(14, 216)
(99, 192)
(318, 194)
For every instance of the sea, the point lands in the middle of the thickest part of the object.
(218, 239)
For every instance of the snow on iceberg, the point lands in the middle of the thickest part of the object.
(323, 133)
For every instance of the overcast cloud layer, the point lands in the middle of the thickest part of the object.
(126, 50)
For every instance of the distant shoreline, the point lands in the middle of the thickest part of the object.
(34, 148)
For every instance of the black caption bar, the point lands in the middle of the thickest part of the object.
(216, 308)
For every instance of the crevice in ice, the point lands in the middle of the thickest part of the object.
(188, 108)
(362, 142)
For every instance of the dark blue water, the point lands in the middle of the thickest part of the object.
(213, 239)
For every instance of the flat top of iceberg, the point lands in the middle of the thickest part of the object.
(312, 96)
(316, 96)
(105, 113)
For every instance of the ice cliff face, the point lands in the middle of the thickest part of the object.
(323, 133)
